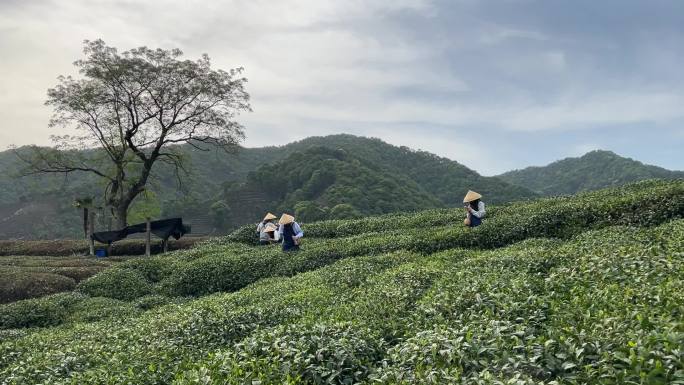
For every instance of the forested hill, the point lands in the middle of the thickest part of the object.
(592, 171)
(334, 176)
(354, 178)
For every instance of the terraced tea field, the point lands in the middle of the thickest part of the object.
(573, 290)
(23, 277)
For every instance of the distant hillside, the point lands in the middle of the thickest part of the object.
(592, 171)
(340, 176)
(321, 182)
(446, 179)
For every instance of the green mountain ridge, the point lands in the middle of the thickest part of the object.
(337, 177)
(592, 171)
(311, 177)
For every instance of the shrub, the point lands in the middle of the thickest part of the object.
(223, 265)
(100, 308)
(154, 269)
(604, 307)
(217, 273)
(310, 354)
(117, 283)
(151, 301)
(79, 274)
(16, 284)
(39, 312)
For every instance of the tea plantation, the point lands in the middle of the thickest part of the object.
(571, 290)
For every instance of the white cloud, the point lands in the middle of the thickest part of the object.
(364, 67)
(599, 109)
(496, 34)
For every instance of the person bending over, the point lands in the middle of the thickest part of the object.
(290, 232)
(269, 234)
(267, 219)
(475, 209)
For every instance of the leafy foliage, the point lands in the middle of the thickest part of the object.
(600, 303)
(117, 283)
(47, 311)
(17, 284)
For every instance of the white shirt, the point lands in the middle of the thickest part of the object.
(295, 227)
(260, 227)
(480, 213)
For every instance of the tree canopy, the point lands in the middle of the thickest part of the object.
(134, 107)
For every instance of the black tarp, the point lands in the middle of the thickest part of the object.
(163, 229)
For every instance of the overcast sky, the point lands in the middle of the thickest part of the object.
(494, 85)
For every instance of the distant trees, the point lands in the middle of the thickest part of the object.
(345, 211)
(324, 183)
(310, 211)
(130, 109)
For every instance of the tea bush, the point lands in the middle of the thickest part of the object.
(17, 284)
(314, 354)
(644, 203)
(100, 308)
(223, 265)
(47, 311)
(151, 301)
(152, 347)
(24, 277)
(118, 283)
(600, 302)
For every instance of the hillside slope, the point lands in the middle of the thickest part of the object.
(445, 178)
(224, 191)
(592, 171)
(586, 291)
(321, 183)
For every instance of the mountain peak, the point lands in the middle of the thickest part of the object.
(594, 170)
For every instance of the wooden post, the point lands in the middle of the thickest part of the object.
(148, 230)
(91, 230)
(166, 245)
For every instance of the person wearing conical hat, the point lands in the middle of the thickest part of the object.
(268, 234)
(475, 209)
(269, 218)
(290, 233)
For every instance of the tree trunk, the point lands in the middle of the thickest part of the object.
(121, 216)
(85, 222)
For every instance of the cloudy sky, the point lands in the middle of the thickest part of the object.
(495, 85)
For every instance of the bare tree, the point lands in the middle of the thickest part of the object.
(132, 109)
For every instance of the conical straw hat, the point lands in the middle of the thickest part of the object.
(471, 196)
(269, 216)
(270, 227)
(285, 219)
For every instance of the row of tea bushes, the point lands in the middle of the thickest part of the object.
(151, 348)
(604, 307)
(23, 277)
(538, 312)
(73, 247)
(454, 216)
(74, 307)
(226, 266)
(338, 228)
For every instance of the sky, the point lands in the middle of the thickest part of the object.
(495, 85)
